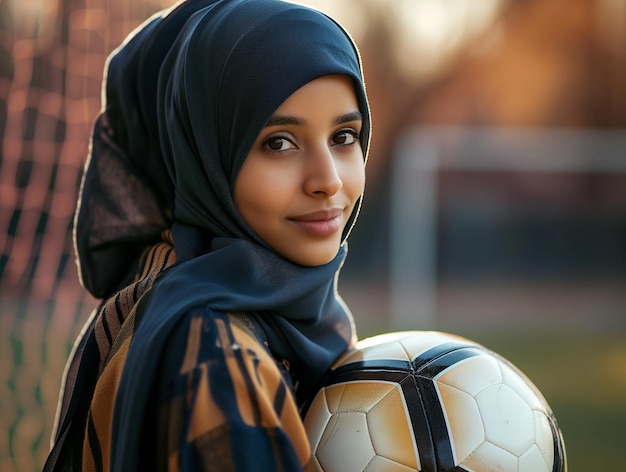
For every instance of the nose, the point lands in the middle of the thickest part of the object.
(323, 176)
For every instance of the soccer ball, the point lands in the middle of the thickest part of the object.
(430, 401)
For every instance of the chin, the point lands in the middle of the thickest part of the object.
(313, 260)
(318, 263)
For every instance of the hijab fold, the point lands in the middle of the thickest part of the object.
(186, 96)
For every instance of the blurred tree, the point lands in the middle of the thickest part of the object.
(543, 63)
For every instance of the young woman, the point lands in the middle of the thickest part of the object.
(225, 173)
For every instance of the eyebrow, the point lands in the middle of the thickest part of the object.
(281, 120)
(352, 116)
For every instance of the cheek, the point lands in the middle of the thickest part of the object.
(260, 190)
(354, 178)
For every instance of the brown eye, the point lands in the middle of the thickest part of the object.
(345, 137)
(341, 138)
(275, 144)
(278, 144)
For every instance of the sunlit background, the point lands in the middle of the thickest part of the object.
(495, 205)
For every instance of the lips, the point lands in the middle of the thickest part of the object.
(320, 223)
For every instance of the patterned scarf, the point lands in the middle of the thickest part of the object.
(102, 335)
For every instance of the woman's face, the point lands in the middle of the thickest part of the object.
(305, 172)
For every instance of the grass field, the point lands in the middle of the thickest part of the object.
(582, 374)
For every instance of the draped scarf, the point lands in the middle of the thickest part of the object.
(185, 98)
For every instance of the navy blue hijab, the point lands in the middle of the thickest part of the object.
(187, 96)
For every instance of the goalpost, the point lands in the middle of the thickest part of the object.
(423, 152)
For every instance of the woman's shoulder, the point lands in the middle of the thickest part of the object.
(235, 339)
(225, 383)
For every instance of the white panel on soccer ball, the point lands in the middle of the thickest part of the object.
(523, 387)
(398, 345)
(490, 458)
(379, 339)
(472, 374)
(417, 345)
(509, 422)
(463, 420)
(344, 433)
(390, 432)
(393, 350)
(316, 420)
(544, 436)
(382, 464)
(356, 396)
(533, 461)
